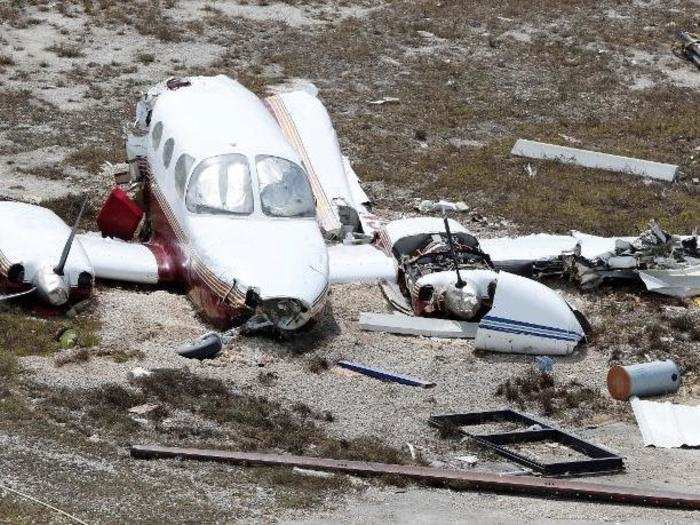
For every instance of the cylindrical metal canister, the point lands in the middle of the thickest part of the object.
(646, 379)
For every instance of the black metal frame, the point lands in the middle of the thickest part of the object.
(599, 459)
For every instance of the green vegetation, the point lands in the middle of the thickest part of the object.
(22, 335)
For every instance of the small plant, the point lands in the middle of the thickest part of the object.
(9, 367)
(146, 58)
(65, 50)
(317, 364)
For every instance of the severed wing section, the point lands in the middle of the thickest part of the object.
(362, 263)
(119, 260)
(340, 201)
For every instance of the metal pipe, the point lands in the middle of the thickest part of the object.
(455, 479)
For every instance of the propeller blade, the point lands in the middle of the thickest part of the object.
(69, 243)
(460, 283)
(18, 294)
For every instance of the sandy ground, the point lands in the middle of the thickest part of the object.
(69, 114)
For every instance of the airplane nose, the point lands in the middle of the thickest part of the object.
(286, 313)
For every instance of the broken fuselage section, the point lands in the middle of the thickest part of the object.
(229, 209)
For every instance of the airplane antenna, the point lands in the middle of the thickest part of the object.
(66, 249)
(460, 282)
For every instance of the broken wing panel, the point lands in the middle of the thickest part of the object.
(528, 318)
(308, 127)
(359, 264)
(682, 282)
(519, 254)
(119, 260)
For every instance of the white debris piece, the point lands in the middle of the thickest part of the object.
(469, 460)
(385, 100)
(594, 159)
(407, 325)
(427, 206)
(144, 409)
(536, 247)
(667, 425)
(139, 373)
(680, 282)
(312, 473)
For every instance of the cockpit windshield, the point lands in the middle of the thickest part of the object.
(221, 185)
(284, 188)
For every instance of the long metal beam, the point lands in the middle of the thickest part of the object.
(459, 480)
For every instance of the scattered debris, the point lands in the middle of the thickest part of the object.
(594, 159)
(456, 479)
(532, 172)
(424, 326)
(469, 460)
(544, 364)
(312, 473)
(385, 375)
(138, 374)
(667, 425)
(206, 347)
(666, 264)
(426, 206)
(646, 379)
(146, 408)
(598, 459)
(385, 100)
(690, 47)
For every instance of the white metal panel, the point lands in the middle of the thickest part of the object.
(537, 247)
(408, 325)
(35, 237)
(119, 260)
(680, 282)
(401, 228)
(528, 318)
(667, 425)
(594, 159)
(361, 263)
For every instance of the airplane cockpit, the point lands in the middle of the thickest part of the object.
(225, 185)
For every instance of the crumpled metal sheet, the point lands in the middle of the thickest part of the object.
(666, 425)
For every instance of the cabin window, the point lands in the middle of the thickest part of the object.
(183, 166)
(156, 135)
(284, 188)
(221, 185)
(168, 152)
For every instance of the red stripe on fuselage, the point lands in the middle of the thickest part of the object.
(176, 262)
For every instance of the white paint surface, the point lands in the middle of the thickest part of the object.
(667, 425)
(594, 159)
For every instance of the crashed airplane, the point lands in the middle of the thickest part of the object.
(250, 205)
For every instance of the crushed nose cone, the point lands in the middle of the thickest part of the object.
(528, 318)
